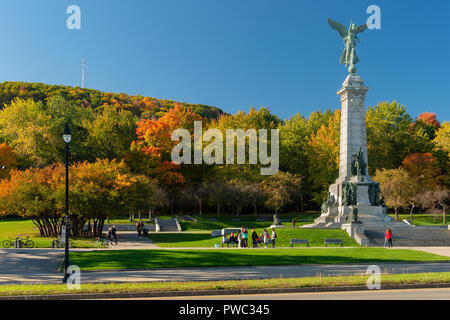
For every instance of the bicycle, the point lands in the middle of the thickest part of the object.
(27, 242)
(23, 242)
(58, 243)
(9, 243)
(103, 243)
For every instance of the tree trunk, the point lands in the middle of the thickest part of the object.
(218, 208)
(150, 215)
(396, 214)
(411, 212)
(302, 205)
(256, 208)
(139, 215)
(200, 206)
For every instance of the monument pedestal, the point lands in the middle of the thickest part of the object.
(354, 187)
(356, 231)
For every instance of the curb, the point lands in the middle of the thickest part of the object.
(168, 294)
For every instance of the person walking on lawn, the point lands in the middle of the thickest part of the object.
(109, 235)
(254, 238)
(114, 233)
(232, 239)
(388, 238)
(139, 227)
(274, 236)
(266, 238)
(245, 237)
(225, 239)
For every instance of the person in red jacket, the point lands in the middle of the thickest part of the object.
(388, 238)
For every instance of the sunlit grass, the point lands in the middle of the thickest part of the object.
(279, 283)
(151, 259)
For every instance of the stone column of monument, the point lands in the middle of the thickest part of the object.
(354, 187)
(354, 190)
(353, 124)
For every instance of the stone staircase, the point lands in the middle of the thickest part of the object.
(168, 225)
(408, 236)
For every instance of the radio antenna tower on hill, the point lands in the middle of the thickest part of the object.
(83, 63)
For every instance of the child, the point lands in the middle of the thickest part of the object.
(224, 240)
(232, 239)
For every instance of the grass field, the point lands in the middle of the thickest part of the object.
(315, 236)
(423, 219)
(204, 222)
(398, 279)
(151, 259)
(10, 228)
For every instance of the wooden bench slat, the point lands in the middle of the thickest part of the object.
(334, 241)
(299, 241)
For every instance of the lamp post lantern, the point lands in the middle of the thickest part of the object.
(67, 136)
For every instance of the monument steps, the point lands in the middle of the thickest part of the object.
(408, 236)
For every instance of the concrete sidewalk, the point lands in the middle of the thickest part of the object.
(20, 266)
(45, 272)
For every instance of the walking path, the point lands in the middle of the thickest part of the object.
(128, 240)
(33, 266)
(41, 265)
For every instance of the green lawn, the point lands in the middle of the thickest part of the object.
(151, 259)
(203, 222)
(15, 227)
(315, 236)
(423, 219)
(12, 227)
(171, 286)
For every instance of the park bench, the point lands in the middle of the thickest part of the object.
(299, 241)
(213, 219)
(307, 220)
(334, 241)
(235, 219)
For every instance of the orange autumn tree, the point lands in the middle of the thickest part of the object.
(423, 168)
(8, 159)
(429, 118)
(151, 153)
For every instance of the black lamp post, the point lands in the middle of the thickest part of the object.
(67, 136)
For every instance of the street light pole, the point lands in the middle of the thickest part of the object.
(67, 136)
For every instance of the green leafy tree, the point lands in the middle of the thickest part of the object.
(388, 135)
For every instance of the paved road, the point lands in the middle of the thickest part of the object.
(401, 294)
(30, 266)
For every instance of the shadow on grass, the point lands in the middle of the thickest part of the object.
(151, 259)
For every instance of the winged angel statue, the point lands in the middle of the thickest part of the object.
(349, 57)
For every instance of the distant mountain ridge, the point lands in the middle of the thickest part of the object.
(145, 107)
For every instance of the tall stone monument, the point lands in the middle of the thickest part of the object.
(354, 188)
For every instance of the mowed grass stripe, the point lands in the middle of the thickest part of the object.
(169, 286)
(156, 259)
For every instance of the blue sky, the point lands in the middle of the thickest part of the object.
(233, 54)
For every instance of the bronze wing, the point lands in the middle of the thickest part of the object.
(361, 28)
(338, 27)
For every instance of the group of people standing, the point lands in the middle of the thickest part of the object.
(240, 239)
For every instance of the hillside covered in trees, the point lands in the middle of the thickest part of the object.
(121, 157)
(146, 107)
